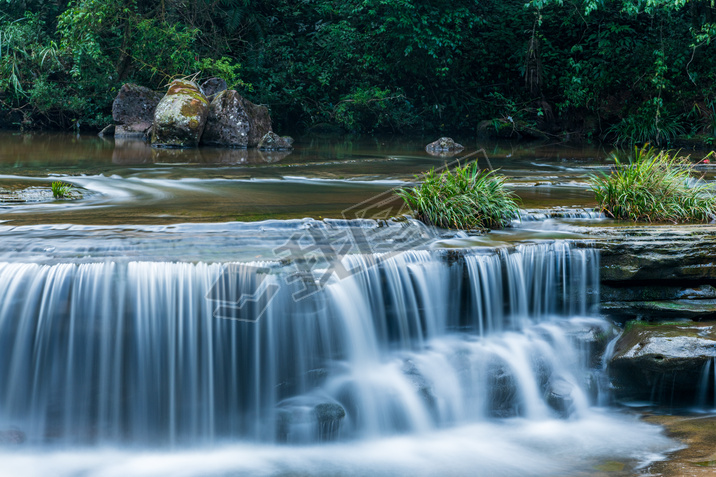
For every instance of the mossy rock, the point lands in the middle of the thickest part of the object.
(180, 117)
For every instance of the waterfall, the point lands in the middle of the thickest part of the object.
(707, 385)
(394, 343)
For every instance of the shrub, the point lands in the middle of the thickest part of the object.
(466, 198)
(654, 186)
(61, 190)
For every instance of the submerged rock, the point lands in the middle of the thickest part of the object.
(307, 419)
(662, 363)
(12, 437)
(273, 142)
(133, 110)
(180, 116)
(422, 385)
(502, 394)
(444, 144)
(559, 396)
(329, 417)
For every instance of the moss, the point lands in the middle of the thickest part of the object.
(187, 88)
(193, 110)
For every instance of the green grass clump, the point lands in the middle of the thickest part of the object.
(654, 186)
(61, 190)
(465, 198)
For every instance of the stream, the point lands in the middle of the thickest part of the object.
(191, 314)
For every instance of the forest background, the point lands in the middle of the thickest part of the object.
(618, 70)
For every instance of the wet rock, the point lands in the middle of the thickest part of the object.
(259, 122)
(644, 255)
(308, 418)
(273, 142)
(594, 339)
(235, 122)
(502, 393)
(133, 110)
(559, 396)
(180, 116)
(12, 437)
(212, 87)
(695, 310)
(444, 144)
(422, 385)
(662, 363)
(656, 293)
(329, 417)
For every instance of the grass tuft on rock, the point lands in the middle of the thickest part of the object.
(463, 198)
(654, 186)
(61, 190)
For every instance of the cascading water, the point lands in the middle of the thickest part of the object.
(706, 397)
(372, 349)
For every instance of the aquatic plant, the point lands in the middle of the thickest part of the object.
(463, 198)
(61, 190)
(654, 186)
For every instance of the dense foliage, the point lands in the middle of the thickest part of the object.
(626, 70)
(654, 186)
(463, 198)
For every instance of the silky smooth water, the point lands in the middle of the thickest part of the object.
(410, 360)
(147, 328)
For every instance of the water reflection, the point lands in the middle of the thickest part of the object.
(132, 152)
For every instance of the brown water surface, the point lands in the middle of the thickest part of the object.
(128, 182)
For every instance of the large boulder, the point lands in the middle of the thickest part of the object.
(664, 363)
(273, 142)
(212, 87)
(228, 123)
(235, 121)
(180, 117)
(133, 110)
(259, 122)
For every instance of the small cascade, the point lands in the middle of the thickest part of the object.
(372, 345)
(706, 397)
(531, 215)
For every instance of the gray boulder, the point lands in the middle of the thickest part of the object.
(212, 87)
(227, 123)
(259, 121)
(133, 110)
(663, 363)
(273, 142)
(234, 121)
(180, 117)
(444, 144)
